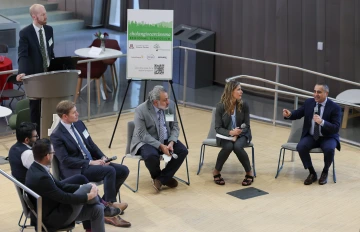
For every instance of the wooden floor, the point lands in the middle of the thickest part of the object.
(204, 206)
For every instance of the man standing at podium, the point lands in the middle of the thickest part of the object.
(36, 49)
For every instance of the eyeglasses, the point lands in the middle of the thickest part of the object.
(35, 136)
(52, 152)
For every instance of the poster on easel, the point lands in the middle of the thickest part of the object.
(150, 44)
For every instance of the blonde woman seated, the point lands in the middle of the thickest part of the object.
(232, 119)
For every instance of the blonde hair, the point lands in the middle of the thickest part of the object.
(226, 97)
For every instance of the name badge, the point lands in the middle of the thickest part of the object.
(169, 117)
(50, 42)
(86, 134)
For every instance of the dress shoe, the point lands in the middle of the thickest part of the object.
(111, 211)
(323, 178)
(172, 183)
(117, 221)
(310, 179)
(121, 206)
(157, 184)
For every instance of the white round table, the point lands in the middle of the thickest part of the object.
(352, 96)
(4, 112)
(84, 52)
(108, 53)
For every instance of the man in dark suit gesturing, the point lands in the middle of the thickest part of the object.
(320, 129)
(62, 203)
(36, 49)
(78, 154)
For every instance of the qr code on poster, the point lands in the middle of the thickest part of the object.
(159, 69)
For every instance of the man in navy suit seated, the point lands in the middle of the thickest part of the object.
(78, 154)
(320, 129)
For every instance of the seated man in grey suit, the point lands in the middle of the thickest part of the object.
(156, 132)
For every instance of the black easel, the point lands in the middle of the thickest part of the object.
(122, 104)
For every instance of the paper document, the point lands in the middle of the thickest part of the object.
(231, 138)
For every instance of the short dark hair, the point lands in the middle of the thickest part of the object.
(41, 148)
(24, 130)
(64, 107)
(325, 86)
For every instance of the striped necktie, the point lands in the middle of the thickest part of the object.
(42, 49)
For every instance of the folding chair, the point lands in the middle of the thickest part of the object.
(293, 140)
(32, 209)
(211, 141)
(130, 131)
(26, 210)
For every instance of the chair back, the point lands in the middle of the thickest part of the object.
(212, 131)
(55, 168)
(21, 105)
(23, 116)
(130, 132)
(98, 68)
(26, 209)
(296, 130)
(3, 48)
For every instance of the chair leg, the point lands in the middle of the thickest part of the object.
(334, 174)
(187, 170)
(112, 67)
(97, 81)
(201, 161)
(78, 87)
(23, 226)
(253, 160)
(104, 86)
(116, 77)
(137, 178)
(282, 150)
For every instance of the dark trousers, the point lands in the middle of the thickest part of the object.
(151, 157)
(35, 114)
(308, 142)
(238, 148)
(113, 176)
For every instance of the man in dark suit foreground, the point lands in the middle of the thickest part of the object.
(36, 49)
(21, 158)
(62, 204)
(78, 154)
(320, 129)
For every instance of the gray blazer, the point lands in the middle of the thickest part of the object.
(147, 127)
(223, 121)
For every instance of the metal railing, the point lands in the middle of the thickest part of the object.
(186, 49)
(277, 75)
(32, 193)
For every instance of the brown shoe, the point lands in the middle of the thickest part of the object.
(172, 183)
(121, 205)
(117, 221)
(157, 184)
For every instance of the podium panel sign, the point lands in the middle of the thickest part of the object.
(150, 44)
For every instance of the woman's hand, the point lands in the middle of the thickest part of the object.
(18, 77)
(235, 132)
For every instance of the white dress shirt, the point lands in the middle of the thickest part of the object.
(27, 157)
(37, 29)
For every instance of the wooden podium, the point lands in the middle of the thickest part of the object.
(51, 88)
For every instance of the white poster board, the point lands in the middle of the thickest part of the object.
(150, 44)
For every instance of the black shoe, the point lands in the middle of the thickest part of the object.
(110, 211)
(323, 178)
(310, 179)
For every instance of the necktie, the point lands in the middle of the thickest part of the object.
(42, 49)
(161, 126)
(81, 144)
(317, 126)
